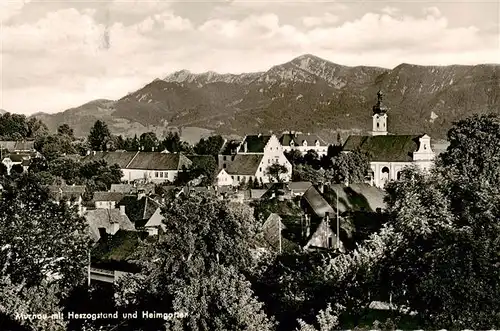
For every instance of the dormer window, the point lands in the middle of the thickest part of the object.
(425, 146)
(292, 143)
(304, 143)
(317, 142)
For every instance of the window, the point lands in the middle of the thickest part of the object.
(161, 175)
(224, 158)
(330, 242)
(425, 146)
(156, 174)
(238, 178)
(268, 161)
(378, 125)
(260, 169)
(224, 166)
(232, 177)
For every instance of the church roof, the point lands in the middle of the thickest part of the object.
(256, 143)
(390, 148)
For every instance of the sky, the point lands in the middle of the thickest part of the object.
(55, 55)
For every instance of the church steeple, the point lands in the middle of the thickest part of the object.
(379, 117)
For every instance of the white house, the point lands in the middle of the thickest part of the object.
(293, 140)
(389, 154)
(251, 160)
(152, 167)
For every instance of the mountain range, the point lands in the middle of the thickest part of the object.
(307, 94)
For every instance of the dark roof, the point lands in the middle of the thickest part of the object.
(197, 158)
(390, 148)
(299, 186)
(230, 147)
(120, 247)
(255, 143)
(131, 188)
(299, 138)
(70, 196)
(355, 197)
(139, 210)
(244, 164)
(159, 161)
(108, 196)
(316, 201)
(120, 158)
(69, 192)
(18, 157)
(18, 145)
(103, 218)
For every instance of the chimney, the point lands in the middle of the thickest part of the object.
(321, 188)
(102, 234)
(115, 227)
(122, 210)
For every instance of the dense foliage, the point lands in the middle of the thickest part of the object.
(43, 252)
(198, 266)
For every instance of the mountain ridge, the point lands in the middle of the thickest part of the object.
(306, 94)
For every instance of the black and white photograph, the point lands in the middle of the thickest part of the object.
(249, 165)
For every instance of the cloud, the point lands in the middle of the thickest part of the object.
(312, 21)
(390, 10)
(432, 11)
(9, 8)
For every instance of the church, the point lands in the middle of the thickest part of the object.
(390, 153)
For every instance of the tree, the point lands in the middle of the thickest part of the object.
(209, 146)
(13, 126)
(222, 301)
(312, 158)
(54, 146)
(36, 128)
(40, 240)
(3, 169)
(148, 141)
(448, 220)
(17, 169)
(352, 167)
(99, 136)
(202, 234)
(309, 174)
(275, 172)
(295, 157)
(66, 130)
(172, 142)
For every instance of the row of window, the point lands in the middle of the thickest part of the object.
(161, 174)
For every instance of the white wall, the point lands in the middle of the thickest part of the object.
(149, 175)
(224, 179)
(273, 153)
(321, 150)
(105, 204)
(394, 168)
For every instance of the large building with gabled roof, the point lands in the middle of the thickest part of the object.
(294, 140)
(152, 167)
(389, 153)
(250, 159)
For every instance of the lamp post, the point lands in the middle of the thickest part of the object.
(338, 237)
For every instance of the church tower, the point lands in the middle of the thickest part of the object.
(379, 117)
